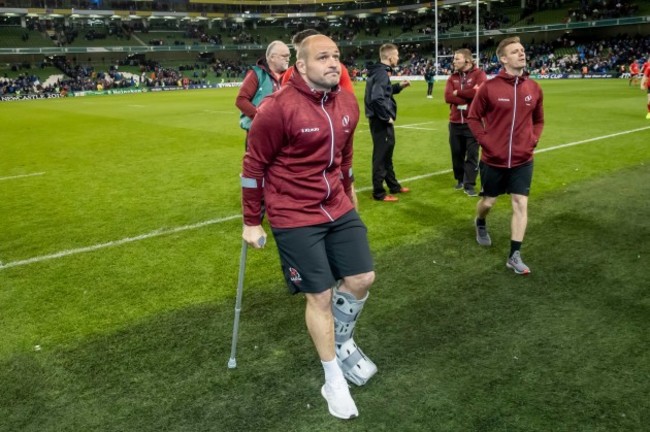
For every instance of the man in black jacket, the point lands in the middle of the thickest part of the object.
(381, 110)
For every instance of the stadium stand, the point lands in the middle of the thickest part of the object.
(161, 43)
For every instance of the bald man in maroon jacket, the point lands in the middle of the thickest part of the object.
(299, 160)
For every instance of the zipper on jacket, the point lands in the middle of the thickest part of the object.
(512, 126)
(462, 81)
(329, 189)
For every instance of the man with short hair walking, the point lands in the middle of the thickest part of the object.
(507, 119)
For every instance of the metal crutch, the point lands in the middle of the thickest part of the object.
(232, 362)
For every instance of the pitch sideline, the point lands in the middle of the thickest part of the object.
(22, 176)
(162, 232)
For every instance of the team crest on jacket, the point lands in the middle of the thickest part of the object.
(294, 276)
(346, 120)
(528, 99)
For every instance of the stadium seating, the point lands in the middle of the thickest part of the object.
(238, 42)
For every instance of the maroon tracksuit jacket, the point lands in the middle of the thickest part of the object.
(463, 83)
(506, 118)
(299, 156)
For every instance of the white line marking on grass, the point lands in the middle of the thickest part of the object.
(156, 233)
(162, 232)
(575, 143)
(415, 124)
(21, 176)
(410, 179)
(402, 126)
(416, 128)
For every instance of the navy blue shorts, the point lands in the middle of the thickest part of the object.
(313, 258)
(498, 181)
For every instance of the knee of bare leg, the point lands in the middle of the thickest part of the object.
(487, 202)
(519, 202)
(360, 281)
(320, 300)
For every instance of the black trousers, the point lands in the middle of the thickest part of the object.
(464, 154)
(383, 144)
(429, 88)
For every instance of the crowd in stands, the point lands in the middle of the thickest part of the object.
(590, 10)
(77, 77)
(601, 56)
(563, 55)
(345, 28)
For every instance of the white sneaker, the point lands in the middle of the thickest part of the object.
(339, 400)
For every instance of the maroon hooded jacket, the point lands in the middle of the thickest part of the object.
(506, 118)
(299, 156)
(463, 83)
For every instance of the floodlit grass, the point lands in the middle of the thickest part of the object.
(136, 336)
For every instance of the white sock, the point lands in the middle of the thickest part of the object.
(333, 372)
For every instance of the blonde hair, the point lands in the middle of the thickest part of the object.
(501, 48)
(385, 49)
(465, 53)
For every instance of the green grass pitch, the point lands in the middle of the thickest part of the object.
(120, 242)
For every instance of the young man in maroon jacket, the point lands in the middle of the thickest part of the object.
(299, 159)
(507, 118)
(459, 91)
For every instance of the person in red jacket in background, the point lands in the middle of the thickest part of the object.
(345, 82)
(459, 92)
(634, 73)
(645, 83)
(299, 159)
(507, 119)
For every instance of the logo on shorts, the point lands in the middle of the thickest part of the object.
(294, 276)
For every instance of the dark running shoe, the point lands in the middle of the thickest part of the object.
(482, 235)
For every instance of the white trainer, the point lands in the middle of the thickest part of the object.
(339, 400)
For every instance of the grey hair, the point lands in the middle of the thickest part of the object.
(271, 46)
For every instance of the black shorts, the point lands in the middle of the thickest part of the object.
(313, 258)
(498, 181)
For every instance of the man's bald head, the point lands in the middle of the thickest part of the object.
(319, 62)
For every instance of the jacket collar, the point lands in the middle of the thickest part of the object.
(299, 84)
(472, 69)
(261, 62)
(511, 78)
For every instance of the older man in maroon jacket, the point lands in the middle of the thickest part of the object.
(507, 118)
(299, 159)
(459, 91)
